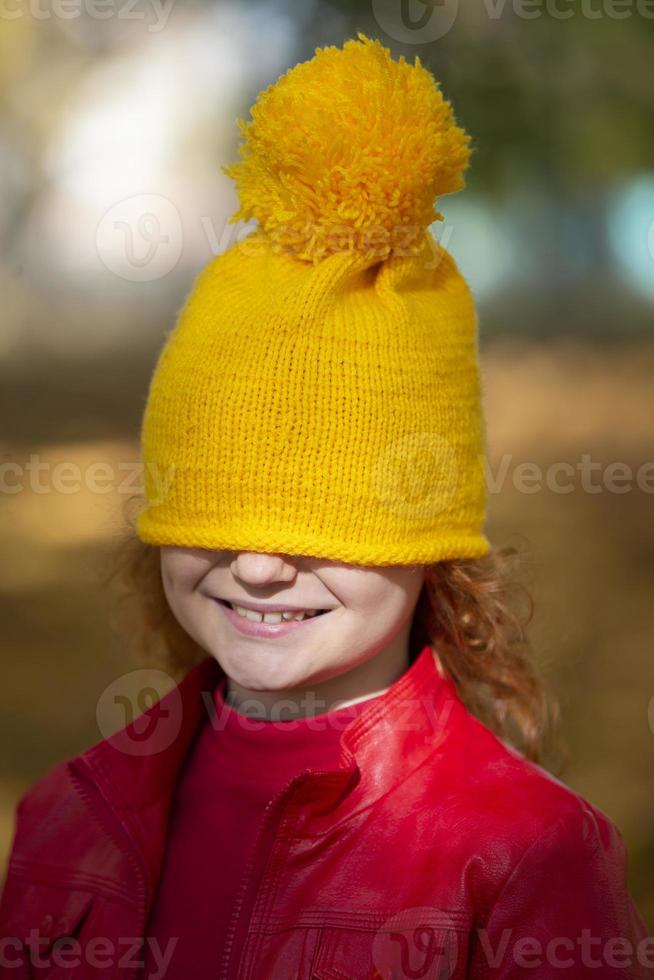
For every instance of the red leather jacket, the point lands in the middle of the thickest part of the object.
(434, 851)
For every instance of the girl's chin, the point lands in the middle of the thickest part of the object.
(266, 682)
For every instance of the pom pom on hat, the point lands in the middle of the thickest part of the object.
(349, 151)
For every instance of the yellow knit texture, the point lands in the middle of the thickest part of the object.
(320, 393)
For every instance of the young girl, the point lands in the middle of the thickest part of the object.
(344, 781)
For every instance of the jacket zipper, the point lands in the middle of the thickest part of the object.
(122, 840)
(264, 828)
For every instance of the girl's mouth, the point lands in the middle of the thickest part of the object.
(250, 622)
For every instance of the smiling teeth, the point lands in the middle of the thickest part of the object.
(273, 618)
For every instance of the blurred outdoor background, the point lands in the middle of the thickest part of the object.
(115, 119)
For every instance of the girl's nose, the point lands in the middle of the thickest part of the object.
(257, 568)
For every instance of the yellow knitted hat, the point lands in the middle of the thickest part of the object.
(320, 394)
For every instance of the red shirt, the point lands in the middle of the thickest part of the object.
(237, 765)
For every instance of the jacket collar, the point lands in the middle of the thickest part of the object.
(137, 769)
(385, 743)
